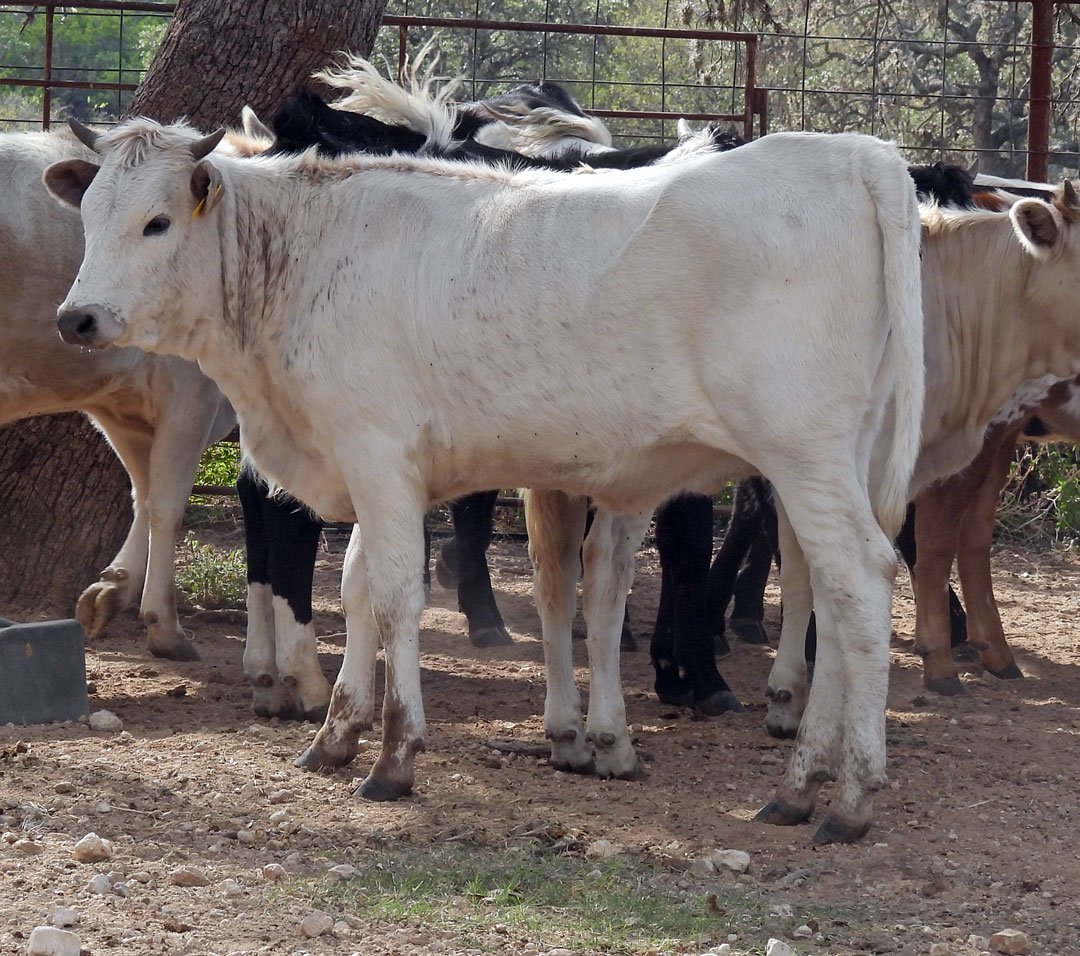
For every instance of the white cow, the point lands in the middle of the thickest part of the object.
(158, 412)
(397, 331)
(1001, 299)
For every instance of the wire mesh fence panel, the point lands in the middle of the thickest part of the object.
(81, 52)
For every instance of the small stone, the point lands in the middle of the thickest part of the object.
(247, 837)
(232, 888)
(120, 888)
(282, 796)
(64, 786)
(273, 872)
(777, 947)
(979, 943)
(140, 876)
(105, 720)
(802, 932)
(316, 923)
(29, 847)
(188, 876)
(92, 849)
(341, 928)
(1011, 942)
(738, 861)
(601, 850)
(63, 916)
(342, 871)
(940, 949)
(50, 941)
(724, 949)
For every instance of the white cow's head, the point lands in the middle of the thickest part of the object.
(152, 248)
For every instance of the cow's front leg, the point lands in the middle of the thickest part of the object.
(609, 571)
(390, 519)
(352, 701)
(556, 522)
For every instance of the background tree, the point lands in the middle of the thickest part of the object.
(65, 497)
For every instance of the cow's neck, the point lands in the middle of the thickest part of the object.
(984, 338)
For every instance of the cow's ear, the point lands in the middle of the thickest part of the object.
(68, 180)
(207, 188)
(1039, 226)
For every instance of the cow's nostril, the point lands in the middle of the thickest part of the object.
(86, 324)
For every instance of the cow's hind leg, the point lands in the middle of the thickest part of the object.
(842, 734)
(788, 685)
(556, 522)
(976, 538)
(122, 581)
(609, 571)
(473, 516)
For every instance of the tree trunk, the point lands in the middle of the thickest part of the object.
(66, 508)
(66, 499)
(218, 55)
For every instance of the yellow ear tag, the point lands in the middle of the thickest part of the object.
(197, 211)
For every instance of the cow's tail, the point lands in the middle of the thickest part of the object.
(418, 108)
(898, 218)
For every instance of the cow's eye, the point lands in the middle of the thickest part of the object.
(156, 226)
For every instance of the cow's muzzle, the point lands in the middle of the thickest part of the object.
(88, 326)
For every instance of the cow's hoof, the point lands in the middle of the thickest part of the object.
(492, 636)
(835, 830)
(570, 753)
(383, 789)
(749, 630)
(784, 713)
(615, 757)
(719, 702)
(317, 758)
(948, 686)
(780, 813)
(180, 649)
(720, 646)
(670, 688)
(1011, 672)
(101, 602)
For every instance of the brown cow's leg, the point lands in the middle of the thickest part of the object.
(938, 513)
(985, 632)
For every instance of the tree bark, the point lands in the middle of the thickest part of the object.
(218, 55)
(65, 497)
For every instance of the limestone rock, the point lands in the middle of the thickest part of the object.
(316, 923)
(92, 849)
(105, 720)
(50, 941)
(1011, 942)
(777, 947)
(188, 876)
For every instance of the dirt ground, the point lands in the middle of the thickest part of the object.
(976, 832)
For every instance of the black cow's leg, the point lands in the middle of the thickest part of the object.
(742, 530)
(473, 516)
(280, 655)
(905, 543)
(748, 611)
(684, 540)
(670, 686)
